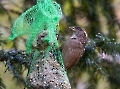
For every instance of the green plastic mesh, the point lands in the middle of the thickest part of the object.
(46, 68)
(46, 72)
(45, 15)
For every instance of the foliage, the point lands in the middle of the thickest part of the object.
(90, 13)
(102, 52)
(2, 86)
(93, 61)
(101, 58)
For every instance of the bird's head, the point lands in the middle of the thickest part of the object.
(79, 34)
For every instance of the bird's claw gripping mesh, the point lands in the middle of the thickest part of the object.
(47, 69)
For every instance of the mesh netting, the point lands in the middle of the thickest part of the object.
(46, 72)
(47, 69)
(44, 15)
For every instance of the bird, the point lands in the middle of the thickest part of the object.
(74, 47)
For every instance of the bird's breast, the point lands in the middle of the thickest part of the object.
(72, 51)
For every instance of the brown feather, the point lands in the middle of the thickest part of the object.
(74, 47)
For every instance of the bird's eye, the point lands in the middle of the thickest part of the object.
(73, 28)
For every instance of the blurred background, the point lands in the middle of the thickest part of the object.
(96, 16)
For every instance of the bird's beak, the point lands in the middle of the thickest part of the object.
(72, 28)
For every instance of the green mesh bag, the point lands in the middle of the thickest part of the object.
(45, 14)
(46, 72)
(46, 67)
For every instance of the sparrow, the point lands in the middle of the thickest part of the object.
(74, 47)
